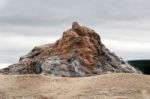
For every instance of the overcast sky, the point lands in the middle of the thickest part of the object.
(124, 25)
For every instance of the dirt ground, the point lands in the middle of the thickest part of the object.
(107, 86)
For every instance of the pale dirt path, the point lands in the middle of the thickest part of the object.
(108, 86)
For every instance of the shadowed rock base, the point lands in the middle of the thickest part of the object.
(79, 52)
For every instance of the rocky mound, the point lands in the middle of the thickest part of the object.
(79, 52)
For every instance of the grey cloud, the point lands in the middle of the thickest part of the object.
(9, 57)
(38, 17)
(53, 12)
(28, 31)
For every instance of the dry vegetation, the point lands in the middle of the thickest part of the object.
(114, 86)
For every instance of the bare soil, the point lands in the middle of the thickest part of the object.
(107, 86)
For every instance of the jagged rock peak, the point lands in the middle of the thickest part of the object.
(79, 52)
(75, 25)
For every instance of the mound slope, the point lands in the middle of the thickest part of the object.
(79, 52)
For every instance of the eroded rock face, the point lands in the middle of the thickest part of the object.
(78, 53)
